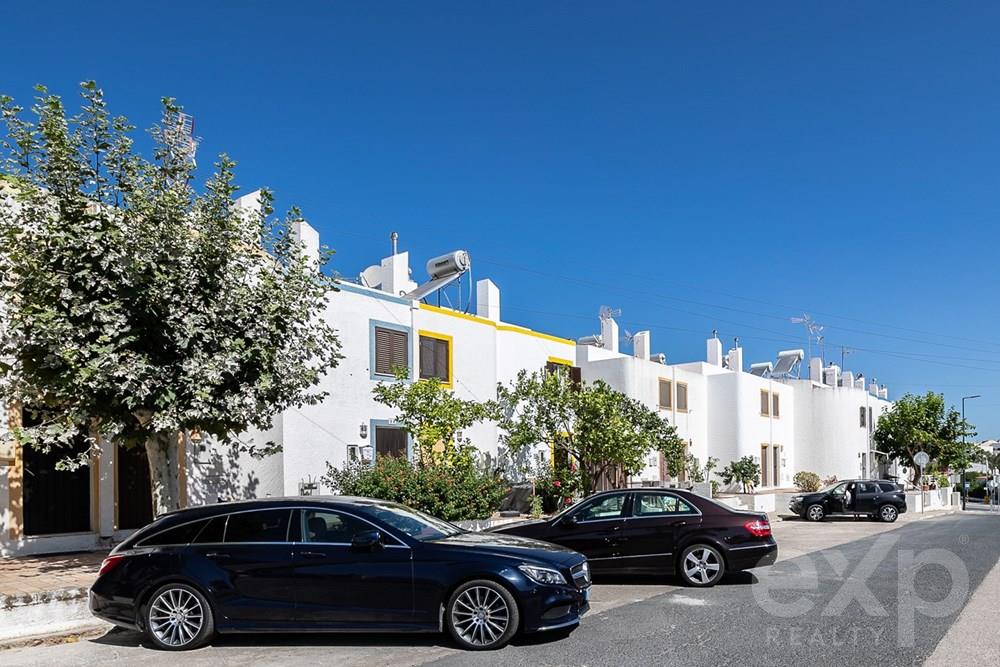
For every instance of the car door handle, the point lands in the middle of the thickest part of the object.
(678, 524)
(216, 554)
(312, 554)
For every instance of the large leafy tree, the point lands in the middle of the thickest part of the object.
(592, 424)
(137, 307)
(925, 423)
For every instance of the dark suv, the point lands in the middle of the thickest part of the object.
(879, 499)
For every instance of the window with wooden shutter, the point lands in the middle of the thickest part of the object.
(666, 391)
(435, 358)
(775, 405)
(862, 414)
(682, 397)
(765, 403)
(391, 351)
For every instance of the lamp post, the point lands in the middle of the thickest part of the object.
(964, 399)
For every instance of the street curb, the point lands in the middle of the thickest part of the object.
(86, 630)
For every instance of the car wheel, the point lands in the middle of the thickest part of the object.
(482, 615)
(701, 565)
(888, 513)
(178, 618)
(815, 513)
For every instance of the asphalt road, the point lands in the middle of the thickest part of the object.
(843, 592)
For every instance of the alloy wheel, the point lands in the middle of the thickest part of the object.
(888, 513)
(176, 617)
(815, 513)
(701, 565)
(480, 616)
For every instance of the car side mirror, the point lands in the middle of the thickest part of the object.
(570, 521)
(367, 540)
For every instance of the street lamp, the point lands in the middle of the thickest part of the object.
(964, 399)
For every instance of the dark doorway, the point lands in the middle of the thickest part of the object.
(55, 501)
(135, 494)
(390, 441)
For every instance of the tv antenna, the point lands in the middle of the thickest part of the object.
(607, 312)
(813, 330)
(844, 351)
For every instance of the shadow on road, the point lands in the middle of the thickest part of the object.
(740, 578)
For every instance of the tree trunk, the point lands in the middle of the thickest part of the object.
(162, 452)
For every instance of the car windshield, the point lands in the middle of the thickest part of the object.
(416, 524)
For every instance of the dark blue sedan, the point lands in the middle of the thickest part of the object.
(334, 564)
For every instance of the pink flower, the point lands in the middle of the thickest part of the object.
(557, 483)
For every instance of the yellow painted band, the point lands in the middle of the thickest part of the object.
(498, 327)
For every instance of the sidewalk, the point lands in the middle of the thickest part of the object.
(42, 595)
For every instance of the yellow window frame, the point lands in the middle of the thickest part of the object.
(451, 354)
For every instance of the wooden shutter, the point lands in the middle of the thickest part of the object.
(665, 397)
(776, 405)
(861, 417)
(765, 403)
(390, 351)
(682, 397)
(434, 358)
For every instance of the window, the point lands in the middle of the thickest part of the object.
(259, 526)
(866, 487)
(682, 397)
(775, 405)
(871, 422)
(329, 527)
(888, 487)
(765, 403)
(862, 422)
(666, 391)
(213, 532)
(391, 441)
(182, 534)
(655, 504)
(392, 350)
(435, 357)
(609, 507)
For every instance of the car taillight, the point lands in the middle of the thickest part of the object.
(758, 528)
(110, 563)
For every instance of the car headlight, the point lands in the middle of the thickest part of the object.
(542, 575)
(794, 498)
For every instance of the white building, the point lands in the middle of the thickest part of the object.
(820, 423)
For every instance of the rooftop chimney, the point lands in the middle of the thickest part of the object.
(309, 237)
(488, 300)
(816, 369)
(640, 345)
(714, 351)
(609, 333)
(396, 274)
(735, 359)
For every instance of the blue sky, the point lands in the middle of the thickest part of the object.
(699, 165)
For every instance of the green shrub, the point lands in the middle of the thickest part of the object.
(807, 481)
(536, 507)
(555, 485)
(744, 472)
(454, 492)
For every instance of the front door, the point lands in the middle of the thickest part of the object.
(597, 531)
(55, 501)
(337, 584)
(134, 499)
(253, 558)
(835, 504)
(764, 480)
(657, 520)
(776, 465)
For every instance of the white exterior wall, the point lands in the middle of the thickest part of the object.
(831, 439)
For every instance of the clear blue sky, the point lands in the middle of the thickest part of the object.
(698, 165)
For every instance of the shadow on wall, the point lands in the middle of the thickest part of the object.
(218, 474)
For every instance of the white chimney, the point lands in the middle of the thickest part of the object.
(396, 274)
(816, 369)
(488, 300)
(735, 359)
(307, 236)
(609, 332)
(640, 345)
(883, 392)
(847, 379)
(714, 351)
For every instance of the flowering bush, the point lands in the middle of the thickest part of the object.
(556, 486)
(807, 481)
(452, 492)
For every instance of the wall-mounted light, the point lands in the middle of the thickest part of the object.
(364, 431)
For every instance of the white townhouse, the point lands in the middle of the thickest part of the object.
(382, 325)
(786, 423)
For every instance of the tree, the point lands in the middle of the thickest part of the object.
(598, 427)
(923, 423)
(137, 308)
(432, 415)
(744, 471)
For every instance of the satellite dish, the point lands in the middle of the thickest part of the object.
(372, 276)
